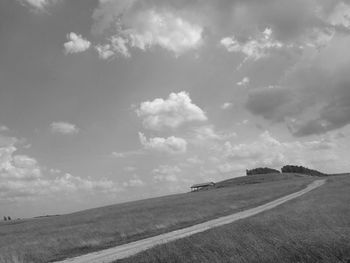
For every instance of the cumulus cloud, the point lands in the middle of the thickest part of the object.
(134, 181)
(166, 173)
(170, 113)
(64, 128)
(314, 93)
(38, 4)
(180, 26)
(269, 151)
(226, 105)
(340, 15)
(76, 43)
(22, 177)
(117, 46)
(144, 28)
(244, 82)
(70, 183)
(253, 48)
(166, 30)
(172, 144)
(104, 51)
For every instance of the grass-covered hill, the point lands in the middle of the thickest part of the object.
(258, 178)
(52, 238)
(313, 228)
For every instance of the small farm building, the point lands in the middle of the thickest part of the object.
(201, 186)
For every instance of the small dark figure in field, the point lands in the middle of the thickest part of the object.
(8, 218)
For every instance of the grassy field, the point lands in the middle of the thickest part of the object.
(47, 239)
(312, 228)
(257, 179)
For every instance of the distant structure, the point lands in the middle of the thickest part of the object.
(202, 186)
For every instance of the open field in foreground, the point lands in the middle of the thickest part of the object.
(48, 239)
(312, 228)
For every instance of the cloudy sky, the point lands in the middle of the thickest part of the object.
(114, 100)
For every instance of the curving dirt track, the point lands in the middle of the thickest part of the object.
(126, 250)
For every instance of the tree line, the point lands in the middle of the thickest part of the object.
(286, 169)
(301, 170)
(262, 170)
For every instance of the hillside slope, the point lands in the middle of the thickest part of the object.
(49, 239)
(313, 228)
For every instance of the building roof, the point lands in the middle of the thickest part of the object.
(203, 184)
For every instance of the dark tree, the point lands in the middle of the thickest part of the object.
(301, 170)
(260, 170)
(5, 218)
(9, 218)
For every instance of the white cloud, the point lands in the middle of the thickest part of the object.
(166, 30)
(104, 51)
(170, 113)
(268, 151)
(226, 105)
(253, 48)
(76, 44)
(244, 82)
(340, 15)
(166, 173)
(64, 128)
(149, 28)
(117, 46)
(208, 132)
(127, 154)
(173, 145)
(134, 181)
(22, 177)
(38, 4)
(72, 183)
(17, 166)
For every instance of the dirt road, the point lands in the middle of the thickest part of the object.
(123, 251)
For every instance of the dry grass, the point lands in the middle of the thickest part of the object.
(312, 228)
(46, 239)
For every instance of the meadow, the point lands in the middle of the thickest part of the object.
(312, 228)
(48, 239)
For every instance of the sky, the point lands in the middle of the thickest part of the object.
(107, 101)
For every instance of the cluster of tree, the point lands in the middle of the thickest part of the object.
(300, 170)
(262, 170)
(7, 218)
